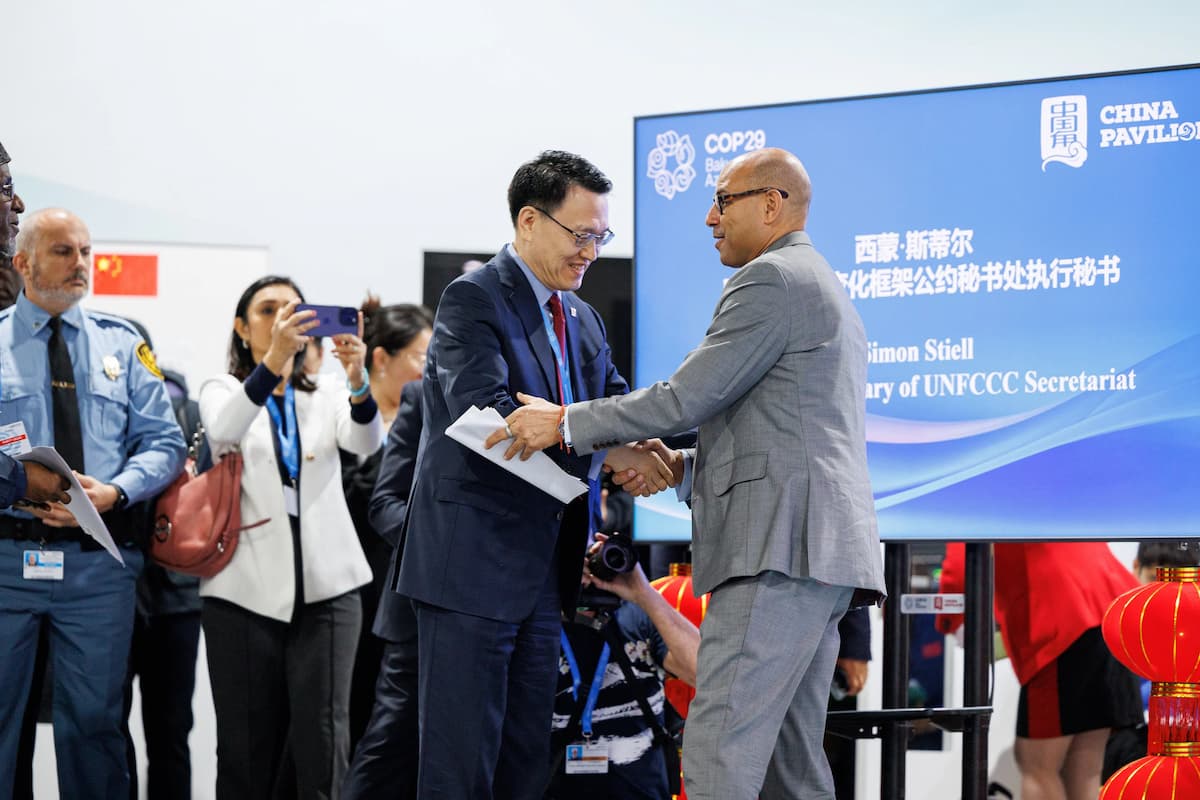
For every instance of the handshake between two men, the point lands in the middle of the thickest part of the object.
(640, 468)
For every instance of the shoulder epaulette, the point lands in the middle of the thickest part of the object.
(107, 320)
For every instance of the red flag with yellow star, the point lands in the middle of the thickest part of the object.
(125, 274)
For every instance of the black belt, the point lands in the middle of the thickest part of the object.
(34, 530)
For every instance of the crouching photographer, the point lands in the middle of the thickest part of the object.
(609, 732)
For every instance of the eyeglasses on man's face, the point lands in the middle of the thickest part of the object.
(722, 199)
(582, 239)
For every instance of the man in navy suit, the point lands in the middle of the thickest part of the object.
(489, 560)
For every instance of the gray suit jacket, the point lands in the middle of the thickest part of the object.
(777, 388)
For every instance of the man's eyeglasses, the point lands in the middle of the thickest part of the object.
(6, 190)
(721, 200)
(582, 240)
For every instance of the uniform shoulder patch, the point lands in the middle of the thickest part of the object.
(146, 356)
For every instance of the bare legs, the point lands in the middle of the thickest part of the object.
(1063, 768)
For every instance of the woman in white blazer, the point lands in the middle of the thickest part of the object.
(282, 620)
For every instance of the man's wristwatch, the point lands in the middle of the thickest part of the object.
(122, 498)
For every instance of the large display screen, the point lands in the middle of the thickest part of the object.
(1024, 258)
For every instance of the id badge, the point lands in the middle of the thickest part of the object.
(13, 439)
(291, 501)
(584, 758)
(42, 565)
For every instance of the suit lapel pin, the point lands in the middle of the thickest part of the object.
(309, 457)
(573, 312)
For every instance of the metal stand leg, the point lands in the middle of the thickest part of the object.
(977, 644)
(896, 643)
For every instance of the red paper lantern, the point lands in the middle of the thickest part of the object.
(1174, 716)
(1152, 629)
(1155, 631)
(676, 589)
(1156, 777)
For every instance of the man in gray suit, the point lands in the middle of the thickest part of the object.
(783, 519)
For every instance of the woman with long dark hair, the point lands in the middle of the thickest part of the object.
(282, 620)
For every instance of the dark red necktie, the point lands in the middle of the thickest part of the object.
(560, 332)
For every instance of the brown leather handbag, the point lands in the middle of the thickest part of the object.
(198, 519)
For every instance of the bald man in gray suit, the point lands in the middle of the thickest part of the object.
(783, 519)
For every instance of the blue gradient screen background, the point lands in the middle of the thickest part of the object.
(1038, 237)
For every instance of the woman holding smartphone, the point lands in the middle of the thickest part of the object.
(282, 620)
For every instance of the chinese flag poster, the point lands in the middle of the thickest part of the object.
(125, 274)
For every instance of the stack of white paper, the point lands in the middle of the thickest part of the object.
(477, 424)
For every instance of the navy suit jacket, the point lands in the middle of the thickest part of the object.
(389, 504)
(479, 540)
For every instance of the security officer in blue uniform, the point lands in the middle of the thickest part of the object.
(87, 384)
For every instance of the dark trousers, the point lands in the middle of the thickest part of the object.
(89, 618)
(35, 709)
(164, 659)
(385, 760)
(370, 646)
(281, 684)
(486, 696)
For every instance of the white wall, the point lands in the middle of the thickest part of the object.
(347, 137)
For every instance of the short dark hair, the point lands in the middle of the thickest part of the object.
(1169, 553)
(545, 181)
(392, 327)
(241, 363)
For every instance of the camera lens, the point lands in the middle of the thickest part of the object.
(615, 560)
(349, 316)
(615, 557)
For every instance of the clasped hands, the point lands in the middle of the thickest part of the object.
(642, 468)
(47, 496)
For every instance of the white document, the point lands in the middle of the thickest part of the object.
(81, 505)
(476, 425)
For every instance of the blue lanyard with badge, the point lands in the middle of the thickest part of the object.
(289, 446)
(586, 757)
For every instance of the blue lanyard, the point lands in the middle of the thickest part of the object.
(577, 679)
(289, 443)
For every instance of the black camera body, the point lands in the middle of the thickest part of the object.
(594, 599)
(615, 556)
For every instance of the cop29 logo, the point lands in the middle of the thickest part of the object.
(669, 164)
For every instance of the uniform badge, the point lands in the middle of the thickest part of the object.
(112, 367)
(146, 356)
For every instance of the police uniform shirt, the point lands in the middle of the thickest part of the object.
(130, 436)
